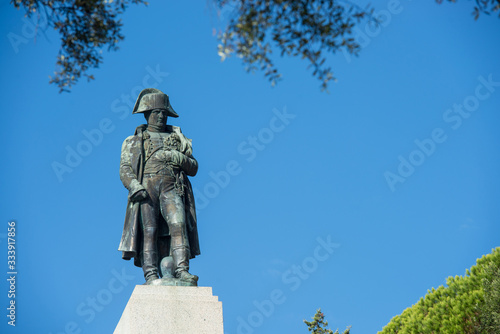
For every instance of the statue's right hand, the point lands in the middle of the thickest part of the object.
(139, 196)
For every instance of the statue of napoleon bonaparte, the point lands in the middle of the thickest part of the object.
(160, 222)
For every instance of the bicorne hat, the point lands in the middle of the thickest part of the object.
(152, 98)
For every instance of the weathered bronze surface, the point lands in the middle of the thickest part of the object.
(160, 230)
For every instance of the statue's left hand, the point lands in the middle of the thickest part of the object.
(169, 157)
(176, 158)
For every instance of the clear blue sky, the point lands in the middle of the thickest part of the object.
(329, 169)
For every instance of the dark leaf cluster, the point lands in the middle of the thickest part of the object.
(482, 6)
(310, 29)
(85, 27)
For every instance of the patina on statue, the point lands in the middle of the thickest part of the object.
(160, 230)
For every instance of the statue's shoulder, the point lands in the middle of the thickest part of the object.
(133, 138)
(137, 136)
(130, 144)
(134, 141)
(130, 138)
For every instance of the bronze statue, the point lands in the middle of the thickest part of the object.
(160, 230)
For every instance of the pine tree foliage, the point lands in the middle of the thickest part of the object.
(319, 325)
(490, 310)
(467, 305)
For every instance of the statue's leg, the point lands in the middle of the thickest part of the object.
(150, 212)
(172, 209)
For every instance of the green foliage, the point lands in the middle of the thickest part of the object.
(318, 325)
(457, 308)
(306, 28)
(482, 6)
(85, 27)
(490, 310)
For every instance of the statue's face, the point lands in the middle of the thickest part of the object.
(157, 117)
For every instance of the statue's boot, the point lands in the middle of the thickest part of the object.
(181, 262)
(150, 266)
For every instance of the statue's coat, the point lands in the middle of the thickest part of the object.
(131, 168)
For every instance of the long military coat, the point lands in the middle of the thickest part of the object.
(131, 172)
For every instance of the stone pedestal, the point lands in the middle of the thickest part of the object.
(171, 309)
